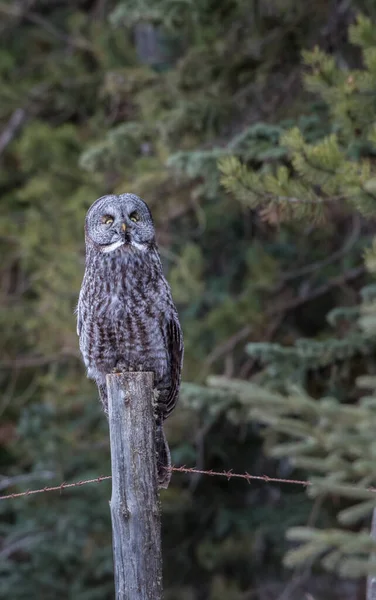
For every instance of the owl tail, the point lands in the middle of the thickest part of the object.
(163, 457)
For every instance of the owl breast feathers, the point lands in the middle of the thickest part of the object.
(126, 318)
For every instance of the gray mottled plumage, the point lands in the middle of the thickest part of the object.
(126, 318)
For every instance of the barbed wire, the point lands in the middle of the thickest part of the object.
(192, 470)
(56, 488)
(228, 474)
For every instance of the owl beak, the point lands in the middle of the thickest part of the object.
(123, 227)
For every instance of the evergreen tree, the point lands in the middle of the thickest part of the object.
(332, 437)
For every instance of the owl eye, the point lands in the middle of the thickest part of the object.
(107, 220)
(134, 216)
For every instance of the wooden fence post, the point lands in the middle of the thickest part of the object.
(135, 512)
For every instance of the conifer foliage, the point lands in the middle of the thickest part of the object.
(338, 167)
(332, 438)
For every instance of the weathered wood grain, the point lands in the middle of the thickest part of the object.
(134, 503)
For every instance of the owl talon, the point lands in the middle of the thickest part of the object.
(120, 368)
(154, 401)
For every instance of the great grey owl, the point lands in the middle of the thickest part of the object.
(126, 318)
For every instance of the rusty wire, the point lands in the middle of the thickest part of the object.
(228, 474)
(56, 488)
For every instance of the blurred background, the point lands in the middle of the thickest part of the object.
(255, 155)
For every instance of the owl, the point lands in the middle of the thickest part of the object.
(126, 318)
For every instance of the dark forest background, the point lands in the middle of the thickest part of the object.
(192, 105)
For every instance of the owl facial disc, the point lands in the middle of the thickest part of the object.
(113, 222)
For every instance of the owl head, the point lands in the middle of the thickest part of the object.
(119, 221)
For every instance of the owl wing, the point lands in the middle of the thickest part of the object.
(176, 348)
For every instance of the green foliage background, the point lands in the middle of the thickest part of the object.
(165, 98)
